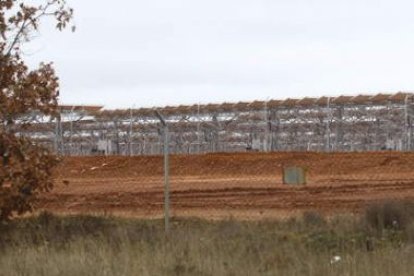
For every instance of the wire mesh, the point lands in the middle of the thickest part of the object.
(227, 160)
(223, 185)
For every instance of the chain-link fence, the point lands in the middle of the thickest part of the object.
(245, 160)
(223, 185)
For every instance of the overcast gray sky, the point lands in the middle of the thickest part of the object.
(169, 52)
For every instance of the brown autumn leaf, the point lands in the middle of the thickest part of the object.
(25, 168)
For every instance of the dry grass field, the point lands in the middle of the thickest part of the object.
(379, 242)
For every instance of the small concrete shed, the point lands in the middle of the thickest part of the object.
(294, 175)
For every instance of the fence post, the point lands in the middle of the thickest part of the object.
(407, 133)
(166, 172)
(328, 125)
(130, 133)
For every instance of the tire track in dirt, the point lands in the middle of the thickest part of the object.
(222, 185)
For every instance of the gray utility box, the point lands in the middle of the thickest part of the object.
(294, 176)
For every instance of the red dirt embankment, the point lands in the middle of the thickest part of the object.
(245, 185)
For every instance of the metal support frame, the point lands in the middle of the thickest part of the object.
(346, 123)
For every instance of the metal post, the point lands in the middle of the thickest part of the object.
(58, 134)
(61, 137)
(166, 180)
(130, 132)
(72, 116)
(166, 173)
(268, 131)
(328, 126)
(266, 119)
(406, 125)
(198, 130)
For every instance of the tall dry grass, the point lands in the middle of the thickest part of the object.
(86, 245)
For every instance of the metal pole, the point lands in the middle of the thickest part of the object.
(166, 180)
(406, 125)
(56, 136)
(265, 121)
(130, 132)
(166, 173)
(328, 126)
(267, 127)
(59, 135)
(198, 129)
(72, 116)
